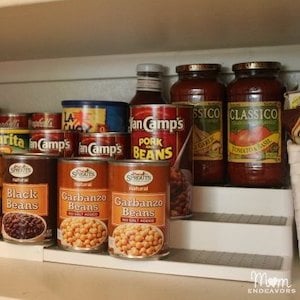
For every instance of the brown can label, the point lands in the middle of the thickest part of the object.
(60, 142)
(29, 199)
(139, 226)
(163, 132)
(42, 120)
(108, 144)
(83, 206)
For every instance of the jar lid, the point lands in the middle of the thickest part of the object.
(257, 65)
(149, 68)
(198, 68)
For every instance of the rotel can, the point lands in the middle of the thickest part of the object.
(15, 120)
(83, 206)
(139, 220)
(29, 198)
(45, 120)
(14, 140)
(163, 132)
(61, 142)
(115, 145)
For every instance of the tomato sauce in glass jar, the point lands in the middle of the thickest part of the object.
(198, 84)
(256, 144)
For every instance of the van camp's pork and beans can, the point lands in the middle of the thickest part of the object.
(61, 142)
(14, 140)
(163, 132)
(95, 116)
(83, 206)
(139, 220)
(29, 198)
(115, 145)
(44, 120)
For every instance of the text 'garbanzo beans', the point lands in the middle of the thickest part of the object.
(139, 196)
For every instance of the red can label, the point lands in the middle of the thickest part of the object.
(163, 132)
(46, 120)
(14, 120)
(63, 143)
(110, 145)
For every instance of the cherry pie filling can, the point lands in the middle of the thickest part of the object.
(139, 219)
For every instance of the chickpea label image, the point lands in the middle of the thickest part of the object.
(29, 198)
(139, 220)
(82, 204)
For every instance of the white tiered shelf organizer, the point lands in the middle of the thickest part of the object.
(233, 233)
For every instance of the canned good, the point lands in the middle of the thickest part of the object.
(108, 144)
(83, 206)
(163, 132)
(15, 120)
(29, 198)
(14, 140)
(44, 120)
(61, 142)
(139, 221)
(95, 116)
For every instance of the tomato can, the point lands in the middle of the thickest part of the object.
(164, 132)
(83, 206)
(29, 198)
(113, 145)
(61, 142)
(95, 116)
(15, 120)
(14, 140)
(139, 220)
(45, 120)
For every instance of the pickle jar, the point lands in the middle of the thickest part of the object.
(199, 85)
(256, 144)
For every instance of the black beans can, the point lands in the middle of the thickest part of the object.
(29, 198)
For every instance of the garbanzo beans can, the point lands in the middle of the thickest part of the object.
(83, 206)
(139, 220)
(163, 132)
(29, 198)
(115, 145)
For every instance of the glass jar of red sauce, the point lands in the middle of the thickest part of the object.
(256, 144)
(149, 85)
(198, 84)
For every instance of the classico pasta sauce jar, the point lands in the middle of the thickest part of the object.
(198, 84)
(256, 145)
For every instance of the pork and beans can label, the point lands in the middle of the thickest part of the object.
(163, 132)
(115, 145)
(139, 220)
(83, 206)
(44, 120)
(61, 142)
(29, 199)
(254, 132)
(14, 140)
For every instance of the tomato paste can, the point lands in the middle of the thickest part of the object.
(139, 220)
(55, 141)
(29, 198)
(15, 120)
(45, 120)
(164, 132)
(83, 206)
(95, 116)
(115, 145)
(14, 140)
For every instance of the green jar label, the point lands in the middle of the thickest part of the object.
(254, 132)
(207, 131)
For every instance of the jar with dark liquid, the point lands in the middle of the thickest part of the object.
(256, 144)
(198, 84)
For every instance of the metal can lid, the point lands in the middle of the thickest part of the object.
(149, 68)
(92, 103)
(198, 68)
(257, 65)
